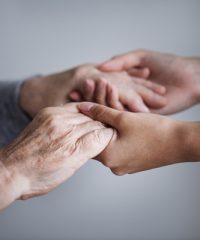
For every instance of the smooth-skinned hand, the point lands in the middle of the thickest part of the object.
(179, 75)
(141, 141)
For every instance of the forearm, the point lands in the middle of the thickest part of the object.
(190, 141)
(12, 183)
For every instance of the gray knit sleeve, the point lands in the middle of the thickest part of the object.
(12, 118)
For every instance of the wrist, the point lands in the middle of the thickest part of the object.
(192, 74)
(12, 184)
(189, 141)
(173, 147)
(196, 76)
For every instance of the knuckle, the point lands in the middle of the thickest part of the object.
(52, 121)
(149, 94)
(48, 119)
(44, 113)
(141, 53)
(102, 80)
(82, 70)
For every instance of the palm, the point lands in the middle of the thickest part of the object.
(179, 75)
(175, 75)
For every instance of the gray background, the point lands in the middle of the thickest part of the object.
(47, 36)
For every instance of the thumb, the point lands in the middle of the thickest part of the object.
(122, 62)
(100, 113)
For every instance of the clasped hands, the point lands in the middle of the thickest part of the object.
(60, 139)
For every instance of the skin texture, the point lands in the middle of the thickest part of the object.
(179, 75)
(48, 152)
(144, 141)
(118, 90)
(124, 92)
(60, 139)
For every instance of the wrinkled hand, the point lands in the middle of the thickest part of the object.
(120, 91)
(142, 141)
(86, 82)
(56, 144)
(179, 75)
(51, 90)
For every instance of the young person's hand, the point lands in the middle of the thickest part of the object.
(144, 141)
(179, 75)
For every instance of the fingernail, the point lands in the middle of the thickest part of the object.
(86, 106)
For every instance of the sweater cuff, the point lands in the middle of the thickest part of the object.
(13, 119)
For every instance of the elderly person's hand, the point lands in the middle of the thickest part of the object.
(86, 82)
(144, 141)
(119, 90)
(56, 144)
(179, 75)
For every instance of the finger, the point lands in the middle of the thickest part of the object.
(68, 114)
(100, 91)
(140, 72)
(84, 128)
(74, 119)
(135, 104)
(66, 108)
(152, 99)
(123, 62)
(162, 111)
(88, 89)
(113, 97)
(70, 107)
(100, 113)
(118, 171)
(75, 96)
(157, 88)
(89, 146)
(93, 143)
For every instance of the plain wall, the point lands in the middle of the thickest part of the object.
(39, 37)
